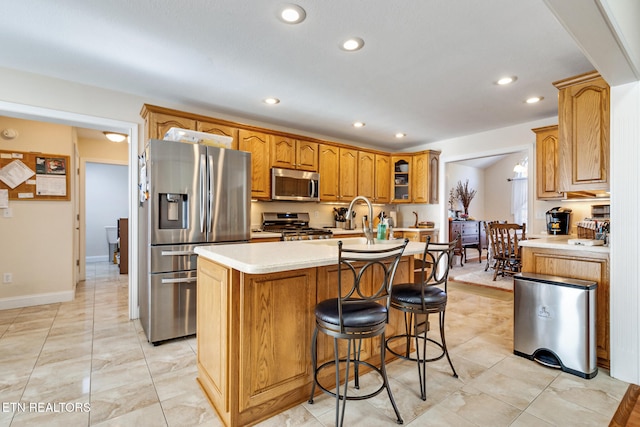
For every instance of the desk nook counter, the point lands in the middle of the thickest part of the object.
(255, 319)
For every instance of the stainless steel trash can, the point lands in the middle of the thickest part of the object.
(554, 322)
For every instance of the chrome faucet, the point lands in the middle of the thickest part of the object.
(368, 231)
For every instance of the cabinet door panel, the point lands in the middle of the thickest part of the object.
(547, 163)
(257, 144)
(329, 175)
(307, 156)
(348, 174)
(283, 152)
(217, 129)
(583, 114)
(382, 179)
(159, 124)
(366, 175)
(278, 322)
(420, 183)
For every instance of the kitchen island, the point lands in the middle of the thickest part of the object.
(255, 319)
(554, 256)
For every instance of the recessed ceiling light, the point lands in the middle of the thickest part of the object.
(507, 80)
(534, 99)
(358, 124)
(271, 101)
(352, 44)
(292, 14)
(400, 135)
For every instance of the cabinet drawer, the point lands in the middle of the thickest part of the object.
(469, 240)
(470, 228)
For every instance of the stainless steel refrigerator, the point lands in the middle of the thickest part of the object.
(190, 195)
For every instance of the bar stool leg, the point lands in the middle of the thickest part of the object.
(444, 344)
(383, 370)
(314, 363)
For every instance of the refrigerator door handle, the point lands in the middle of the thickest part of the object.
(174, 253)
(209, 195)
(184, 280)
(203, 189)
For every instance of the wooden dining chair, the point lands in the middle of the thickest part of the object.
(507, 253)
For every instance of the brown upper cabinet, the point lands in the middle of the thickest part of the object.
(547, 174)
(434, 176)
(415, 177)
(257, 143)
(583, 132)
(338, 168)
(159, 120)
(402, 170)
(374, 173)
(345, 171)
(218, 129)
(289, 153)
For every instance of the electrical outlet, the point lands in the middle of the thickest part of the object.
(7, 278)
(8, 213)
(540, 215)
(315, 214)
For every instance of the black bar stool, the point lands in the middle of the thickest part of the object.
(361, 311)
(418, 300)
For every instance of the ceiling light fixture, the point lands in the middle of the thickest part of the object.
(400, 135)
(353, 44)
(292, 14)
(115, 136)
(534, 99)
(271, 101)
(506, 80)
(358, 124)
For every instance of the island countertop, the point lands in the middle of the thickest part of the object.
(272, 257)
(560, 242)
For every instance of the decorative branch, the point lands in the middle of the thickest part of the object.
(465, 194)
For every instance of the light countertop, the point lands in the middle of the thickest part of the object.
(336, 232)
(272, 257)
(559, 242)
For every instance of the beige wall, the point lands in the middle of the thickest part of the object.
(37, 242)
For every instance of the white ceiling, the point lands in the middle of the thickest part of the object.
(427, 68)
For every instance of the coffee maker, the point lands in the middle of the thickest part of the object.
(558, 220)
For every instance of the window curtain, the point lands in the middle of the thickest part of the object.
(519, 196)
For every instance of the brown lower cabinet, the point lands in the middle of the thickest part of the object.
(577, 264)
(254, 337)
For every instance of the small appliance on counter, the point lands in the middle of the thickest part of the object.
(558, 220)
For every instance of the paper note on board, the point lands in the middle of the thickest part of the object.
(15, 173)
(4, 199)
(50, 185)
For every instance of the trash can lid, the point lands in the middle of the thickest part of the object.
(556, 280)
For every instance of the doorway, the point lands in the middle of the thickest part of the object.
(105, 201)
(92, 122)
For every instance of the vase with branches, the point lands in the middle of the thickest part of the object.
(465, 195)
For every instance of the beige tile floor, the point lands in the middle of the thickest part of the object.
(88, 356)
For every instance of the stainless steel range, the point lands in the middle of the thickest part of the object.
(293, 226)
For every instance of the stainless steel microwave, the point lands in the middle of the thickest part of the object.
(290, 184)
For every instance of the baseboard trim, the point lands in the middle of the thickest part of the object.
(38, 299)
(96, 258)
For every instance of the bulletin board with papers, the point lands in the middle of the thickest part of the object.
(34, 176)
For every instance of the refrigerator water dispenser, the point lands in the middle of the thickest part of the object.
(173, 211)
